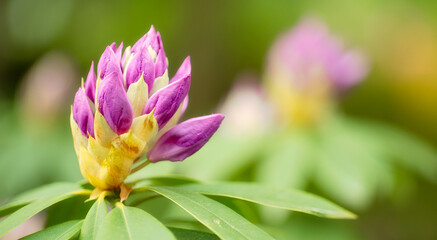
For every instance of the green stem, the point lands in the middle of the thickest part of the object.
(139, 167)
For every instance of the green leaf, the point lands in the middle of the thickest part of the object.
(410, 151)
(218, 218)
(273, 197)
(289, 161)
(35, 194)
(129, 223)
(240, 153)
(163, 181)
(24, 213)
(188, 234)
(350, 167)
(69, 209)
(401, 146)
(61, 231)
(94, 219)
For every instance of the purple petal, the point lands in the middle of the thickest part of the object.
(166, 101)
(350, 69)
(90, 84)
(109, 63)
(114, 104)
(82, 113)
(160, 63)
(159, 46)
(141, 64)
(148, 39)
(154, 40)
(184, 107)
(184, 70)
(185, 138)
(119, 51)
(113, 46)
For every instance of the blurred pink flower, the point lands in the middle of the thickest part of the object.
(246, 107)
(310, 50)
(47, 88)
(307, 67)
(31, 225)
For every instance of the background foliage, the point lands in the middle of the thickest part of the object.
(224, 39)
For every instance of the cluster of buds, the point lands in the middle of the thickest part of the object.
(306, 68)
(130, 109)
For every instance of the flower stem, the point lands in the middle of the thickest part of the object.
(139, 167)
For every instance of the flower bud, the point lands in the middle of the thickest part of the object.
(133, 113)
(166, 101)
(141, 65)
(114, 105)
(109, 62)
(185, 138)
(82, 113)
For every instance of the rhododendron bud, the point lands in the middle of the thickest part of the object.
(185, 138)
(136, 112)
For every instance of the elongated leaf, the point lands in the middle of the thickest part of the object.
(348, 171)
(130, 223)
(33, 208)
(170, 180)
(288, 161)
(35, 194)
(187, 234)
(404, 147)
(62, 231)
(94, 219)
(218, 218)
(410, 151)
(70, 209)
(352, 167)
(273, 197)
(240, 153)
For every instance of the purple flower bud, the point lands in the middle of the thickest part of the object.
(90, 84)
(141, 64)
(149, 39)
(185, 138)
(160, 63)
(114, 104)
(166, 101)
(184, 70)
(109, 63)
(82, 113)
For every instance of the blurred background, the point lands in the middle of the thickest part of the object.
(46, 46)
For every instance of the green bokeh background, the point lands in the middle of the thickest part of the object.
(224, 38)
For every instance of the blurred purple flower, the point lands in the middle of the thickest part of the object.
(247, 109)
(309, 50)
